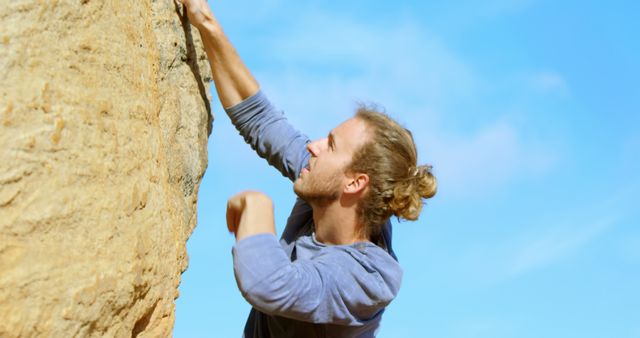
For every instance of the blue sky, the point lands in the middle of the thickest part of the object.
(529, 112)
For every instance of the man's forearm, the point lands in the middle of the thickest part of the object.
(233, 80)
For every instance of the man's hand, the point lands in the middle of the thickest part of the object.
(250, 213)
(198, 12)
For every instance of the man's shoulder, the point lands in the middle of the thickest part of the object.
(372, 275)
(364, 257)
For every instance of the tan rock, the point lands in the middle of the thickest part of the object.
(104, 119)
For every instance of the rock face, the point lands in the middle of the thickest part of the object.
(104, 120)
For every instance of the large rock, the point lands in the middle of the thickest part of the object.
(104, 119)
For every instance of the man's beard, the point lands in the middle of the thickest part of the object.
(319, 191)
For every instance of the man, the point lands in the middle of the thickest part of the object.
(334, 271)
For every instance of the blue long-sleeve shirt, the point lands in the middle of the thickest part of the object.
(299, 287)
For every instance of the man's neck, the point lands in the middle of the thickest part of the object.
(335, 224)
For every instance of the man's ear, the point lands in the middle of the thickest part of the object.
(357, 183)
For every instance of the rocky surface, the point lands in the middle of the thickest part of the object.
(104, 120)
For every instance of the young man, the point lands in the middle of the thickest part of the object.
(334, 271)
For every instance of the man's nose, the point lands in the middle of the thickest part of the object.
(316, 147)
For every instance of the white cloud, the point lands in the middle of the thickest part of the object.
(324, 63)
(556, 243)
(547, 240)
(480, 163)
(329, 62)
(546, 243)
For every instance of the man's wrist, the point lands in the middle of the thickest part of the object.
(209, 25)
(258, 200)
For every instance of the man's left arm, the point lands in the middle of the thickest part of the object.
(332, 287)
(250, 213)
(313, 291)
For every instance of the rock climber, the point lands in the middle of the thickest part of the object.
(333, 271)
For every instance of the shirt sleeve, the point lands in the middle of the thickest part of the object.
(265, 128)
(331, 288)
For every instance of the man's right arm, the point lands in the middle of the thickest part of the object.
(262, 125)
(233, 80)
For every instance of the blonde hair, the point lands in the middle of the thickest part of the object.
(397, 185)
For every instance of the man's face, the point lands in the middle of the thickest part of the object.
(324, 179)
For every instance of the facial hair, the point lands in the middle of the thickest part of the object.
(318, 189)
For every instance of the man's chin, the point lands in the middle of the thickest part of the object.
(297, 189)
(313, 198)
(297, 186)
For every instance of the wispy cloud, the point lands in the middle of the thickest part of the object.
(546, 241)
(408, 70)
(319, 67)
(470, 165)
(328, 62)
(575, 232)
(554, 244)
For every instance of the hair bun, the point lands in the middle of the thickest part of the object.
(409, 193)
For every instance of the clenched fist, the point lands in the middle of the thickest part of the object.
(250, 213)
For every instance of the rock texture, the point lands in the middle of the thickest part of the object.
(104, 119)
